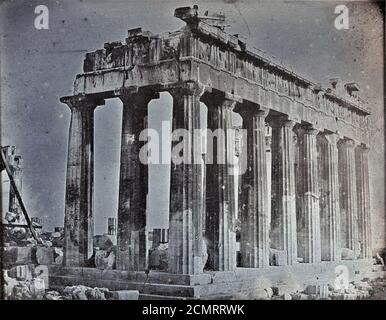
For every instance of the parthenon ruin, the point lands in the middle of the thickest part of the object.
(319, 185)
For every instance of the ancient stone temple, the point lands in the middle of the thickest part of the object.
(303, 205)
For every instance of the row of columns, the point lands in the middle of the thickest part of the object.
(319, 205)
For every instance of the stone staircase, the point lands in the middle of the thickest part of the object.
(221, 285)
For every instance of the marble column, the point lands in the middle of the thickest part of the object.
(255, 218)
(364, 221)
(348, 192)
(268, 152)
(220, 201)
(283, 225)
(133, 184)
(185, 253)
(309, 219)
(330, 211)
(78, 216)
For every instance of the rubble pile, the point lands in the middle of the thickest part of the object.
(378, 289)
(86, 293)
(356, 290)
(25, 260)
(26, 272)
(26, 284)
(24, 255)
(289, 287)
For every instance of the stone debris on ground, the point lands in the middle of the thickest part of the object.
(289, 288)
(26, 274)
(158, 257)
(86, 293)
(104, 259)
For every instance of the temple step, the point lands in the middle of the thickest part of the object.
(144, 296)
(60, 282)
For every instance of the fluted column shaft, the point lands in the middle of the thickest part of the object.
(348, 192)
(309, 222)
(78, 217)
(186, 197)
(330, 213)
(220, 201)
(255, 218)
(363, 193)
(283, 230)
(133, 184)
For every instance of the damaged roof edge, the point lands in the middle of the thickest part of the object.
(190, 17)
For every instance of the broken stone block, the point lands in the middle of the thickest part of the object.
(22, 272)
(17, 256)
(362, 294)
(287, 296)
(47, 243)
(57, 241)
(341, 281)
(10, 217)
(124, 295)
(56, 235)
(85, 293)
(58, 256)
(104, 260)
(41, 272)
(96, 293)
(37, 288)
(321, 290)
(9, 284)
(103, 242)
(311, 289)
(281, 290)
(52, 295)
(44, 255)
(347, 254)
(303, 297)
(269, 292)
(349, 296)
(76, 292)
(158, 258)
(363, 285)
(21, 291)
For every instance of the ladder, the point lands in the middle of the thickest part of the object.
(29, 225)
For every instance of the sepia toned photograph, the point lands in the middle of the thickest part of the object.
(211, 150)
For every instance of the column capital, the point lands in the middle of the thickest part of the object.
(307, 130)
(365, 148)
(332, 138)
(349, 143)
(127, 95)
(311, 131)
(218, 98)
(248, 109)
(82, 101)
(187, 88)
(282, 121)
